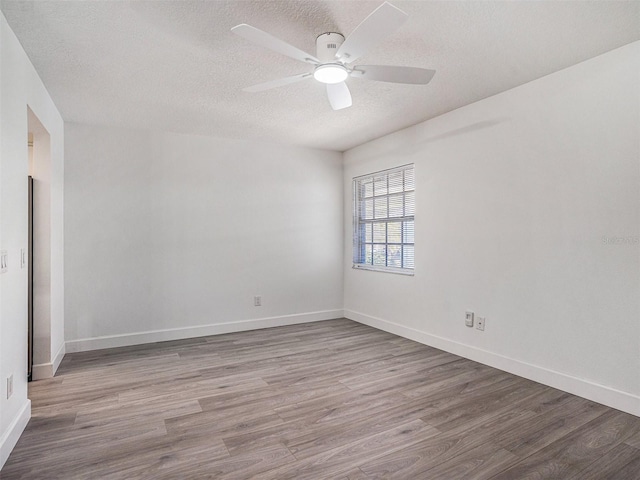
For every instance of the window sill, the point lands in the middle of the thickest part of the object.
(373, 268)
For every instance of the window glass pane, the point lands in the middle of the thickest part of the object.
(407, 232)
(395, 182)
(361, 233)
(384, 208)
(380, 255)
(394, 256)
(407, 256)
(380, 185)
(409, 204)
(368, 232)
(367, 189)
(394, 232)
(409, 180)
(368, 209)
(395, 206)
(381, 207)
(379, 233)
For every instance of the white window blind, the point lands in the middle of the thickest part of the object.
(383, 220)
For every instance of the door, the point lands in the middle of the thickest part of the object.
(30, 283)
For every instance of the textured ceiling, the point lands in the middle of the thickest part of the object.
(175, 66)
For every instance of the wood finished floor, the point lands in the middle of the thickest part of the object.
(326, 400)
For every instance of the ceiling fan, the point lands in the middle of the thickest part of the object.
(334, 55)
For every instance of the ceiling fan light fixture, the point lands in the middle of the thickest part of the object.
(335, 54)
(330, 73)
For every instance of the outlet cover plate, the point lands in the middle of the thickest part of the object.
(9, 386)
(4, 261)
(468, 319)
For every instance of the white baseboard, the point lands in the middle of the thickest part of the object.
(42, 371)
(58, 358)
(48, 370)
(583, 388)
(11, 436)
(110, 341)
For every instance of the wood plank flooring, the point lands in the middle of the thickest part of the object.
(325, 400)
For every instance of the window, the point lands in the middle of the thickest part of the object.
(383, 220)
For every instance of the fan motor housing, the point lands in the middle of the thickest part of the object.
(327, 45)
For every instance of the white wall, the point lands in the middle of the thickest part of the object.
(518, 199)
(171, 236)
(20, 87)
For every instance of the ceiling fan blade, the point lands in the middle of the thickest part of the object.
(383, 21)
(339, 95)
(266, 40)
(277, 83)
(388, 73)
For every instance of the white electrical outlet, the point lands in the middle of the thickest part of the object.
(468, 319)
(9, 386)
(4, 261)
(480, 323)
(257, 301)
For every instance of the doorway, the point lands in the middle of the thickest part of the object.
(39, 250)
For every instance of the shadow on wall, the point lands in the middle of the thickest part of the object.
(464, 130)
(415, 138)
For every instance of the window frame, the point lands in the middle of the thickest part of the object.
(360, 223)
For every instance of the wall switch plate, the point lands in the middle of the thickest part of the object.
(257, 301)
(9, 386)
(4, 261)
(468, 319)
(480, 323)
